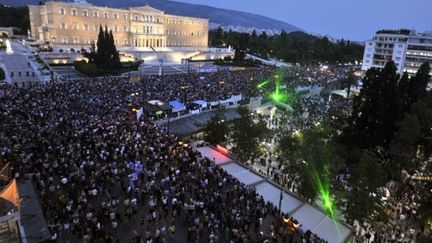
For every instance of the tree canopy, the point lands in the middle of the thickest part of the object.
(294, 47)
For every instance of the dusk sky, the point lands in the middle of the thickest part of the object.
(349, 19)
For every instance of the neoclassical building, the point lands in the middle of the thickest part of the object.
(77, 24)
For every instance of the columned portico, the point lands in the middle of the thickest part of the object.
(149, 40)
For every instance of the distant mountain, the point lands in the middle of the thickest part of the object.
(240, 21)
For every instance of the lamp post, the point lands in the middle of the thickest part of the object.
(279, 213)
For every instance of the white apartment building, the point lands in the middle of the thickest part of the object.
(408, 49)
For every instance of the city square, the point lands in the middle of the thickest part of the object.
(137, 123)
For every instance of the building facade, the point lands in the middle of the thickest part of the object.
(77, 24)
(408, 49)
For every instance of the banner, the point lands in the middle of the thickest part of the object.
(11, 194)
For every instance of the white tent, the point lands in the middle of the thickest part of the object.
(201, 103)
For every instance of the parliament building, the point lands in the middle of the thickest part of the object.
(77, 24)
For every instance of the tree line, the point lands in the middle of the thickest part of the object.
(293, 47)
(15, 17)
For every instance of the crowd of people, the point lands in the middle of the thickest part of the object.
(103, 176)
(210, 87)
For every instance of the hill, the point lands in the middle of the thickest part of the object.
(239, 21)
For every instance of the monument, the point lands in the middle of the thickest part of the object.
(9, 50)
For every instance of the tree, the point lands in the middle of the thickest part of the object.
(348, 82)
(418, 83)
(369, 173)
(403, 87)
(313, 157)
(376, 110)
(113, 53)
(361, 205)
(106, 57)
(216, 130)
(247, 134)
(101, 52)
(92, 55)
(403, 148)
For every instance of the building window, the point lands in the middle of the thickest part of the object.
(62, 11)
(125, 17)
(96, 27)
(115, 28)
(106, 15)
(63, 26)
(136, 17)
(75, 40)
(86, 27)
(74, 12)
(75, 26)
(115, 16)
(151, 18)
(64, 40)
(125, 28)
(85, 13)
(95, 14)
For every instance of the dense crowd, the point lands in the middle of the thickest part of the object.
(103, 176)
(209, 87)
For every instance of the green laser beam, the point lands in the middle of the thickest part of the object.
(322, 184)
(260, 85)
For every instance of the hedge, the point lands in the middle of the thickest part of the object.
(88, 69)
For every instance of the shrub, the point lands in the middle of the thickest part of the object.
(88, 69)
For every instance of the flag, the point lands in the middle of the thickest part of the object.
(5, 172)
(139, 113)
(11, 194)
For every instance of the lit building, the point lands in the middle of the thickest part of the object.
(408, 49)
(76, 24)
